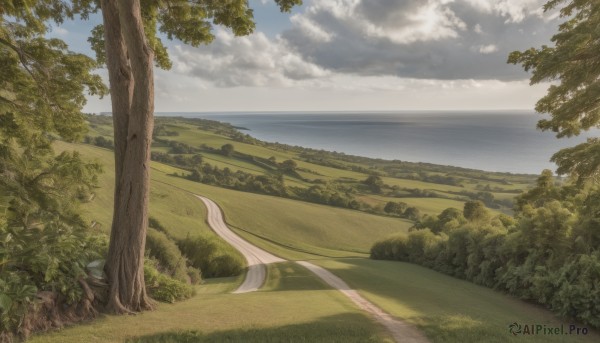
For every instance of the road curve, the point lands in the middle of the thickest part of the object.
(256, 275)
(401, 331)
(255, 257)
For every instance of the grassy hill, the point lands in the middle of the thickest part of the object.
(430, 188)
(294, 303)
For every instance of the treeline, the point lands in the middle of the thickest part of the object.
(100, 141)
(188, 157)
(239, 180)
(427, 172)
(547, 253)
(376, 185)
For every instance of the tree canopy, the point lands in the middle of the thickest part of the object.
(572, 64)
(46, 244)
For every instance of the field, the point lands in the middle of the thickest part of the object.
(445, 308)
(429, 188)
(294, 305)
(330, 231)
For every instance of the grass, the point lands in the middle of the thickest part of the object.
(445, 308)
(176, 209)
(305, 227)
(189, 133)
(432, 206)
(297, 224)
(294, 306)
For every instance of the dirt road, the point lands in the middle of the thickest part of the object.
(256, 275)
(256, 257)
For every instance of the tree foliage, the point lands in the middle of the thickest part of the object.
(46, 244)
(548, 253)
(188, 21)
(572, 100)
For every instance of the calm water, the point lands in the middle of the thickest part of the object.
(504, 141)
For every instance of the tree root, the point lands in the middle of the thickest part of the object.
(51, 311)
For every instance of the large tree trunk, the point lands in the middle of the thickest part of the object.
(129, 61)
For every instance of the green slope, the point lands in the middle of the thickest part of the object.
(294, 303)
(294, 306)
(445, 308)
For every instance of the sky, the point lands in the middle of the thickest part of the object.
(353, 55)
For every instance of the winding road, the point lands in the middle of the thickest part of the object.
(257, 258)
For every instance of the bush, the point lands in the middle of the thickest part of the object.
(212, 256)
(194, 275)
(163, 288)
(166, 252)
(548, 253)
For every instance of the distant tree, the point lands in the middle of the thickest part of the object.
(412, 213)
(475, 211)
(572, 100)
(288, 165)
(375, 183)
(227, 149)
(544, 191)
(394, 207)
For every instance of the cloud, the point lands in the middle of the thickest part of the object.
(488, 49)
(429, 39)
(413, 39)
(254, 60)
(60, 31)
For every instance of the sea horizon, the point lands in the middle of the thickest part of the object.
(504, 141)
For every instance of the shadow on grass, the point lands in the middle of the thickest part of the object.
(340, 328)
(449, 309)
(290, 276)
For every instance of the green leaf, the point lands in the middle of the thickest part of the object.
(5, 302)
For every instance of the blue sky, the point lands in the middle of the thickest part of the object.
(354, 55)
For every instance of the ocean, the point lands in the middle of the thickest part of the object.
(503, 141)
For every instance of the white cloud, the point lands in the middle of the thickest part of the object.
(419, 38)
(514, 11)
(488, 49)
(60, 31)
(254, 60)
(311, 28)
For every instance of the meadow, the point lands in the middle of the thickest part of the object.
(294, 305)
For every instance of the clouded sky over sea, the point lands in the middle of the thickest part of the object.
(354, 55)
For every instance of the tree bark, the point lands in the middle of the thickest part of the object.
(129, 61)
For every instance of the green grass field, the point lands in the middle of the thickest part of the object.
(445, 308)
(294, 306)
(214, 136)
(309, 228)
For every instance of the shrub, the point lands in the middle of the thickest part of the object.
(212, 256)
(194, 275)
(166, 252)
(163, 288)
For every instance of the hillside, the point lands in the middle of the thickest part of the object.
(365, 184)
(298, 304)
